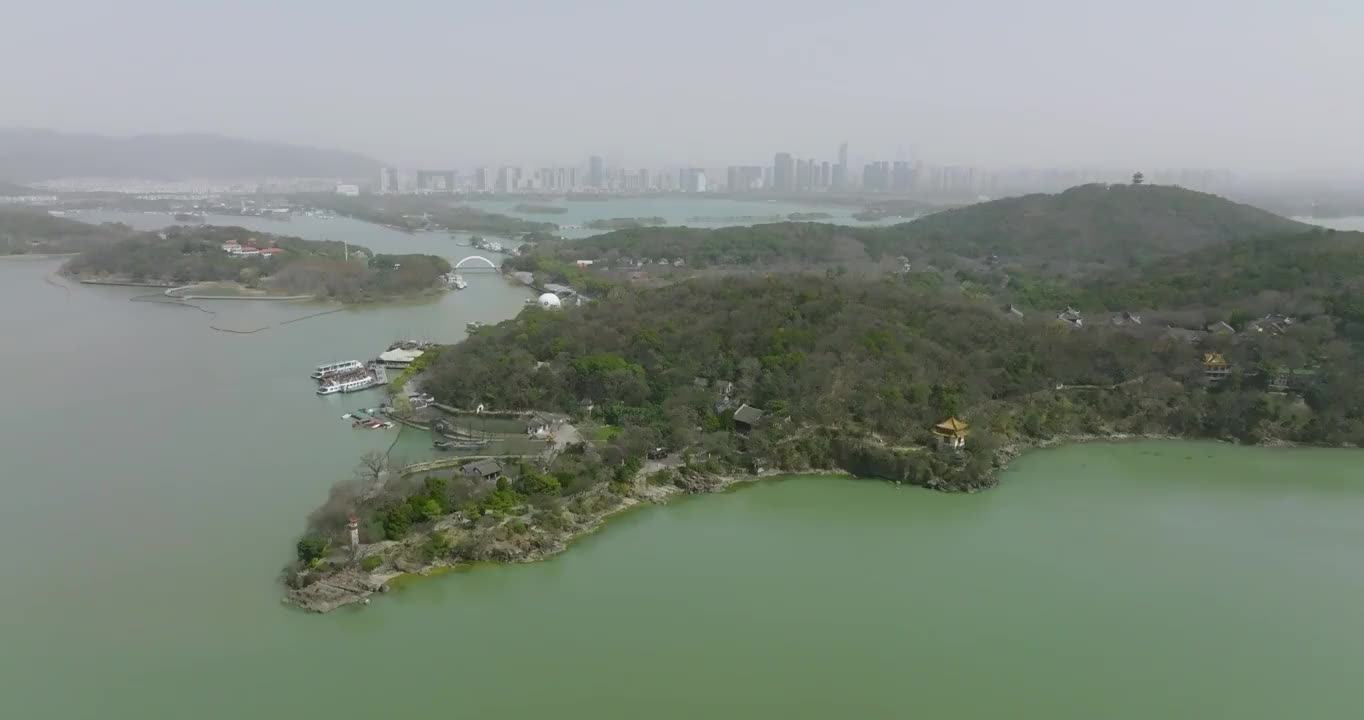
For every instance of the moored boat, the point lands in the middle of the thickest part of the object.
(337, 368)
(366, 378)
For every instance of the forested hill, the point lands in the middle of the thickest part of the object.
(884, 361)
(1301, 273)
(1092, 228)
(1113, 225)
(25, 231)
(34, 155)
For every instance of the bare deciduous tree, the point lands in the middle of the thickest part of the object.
(371, 469)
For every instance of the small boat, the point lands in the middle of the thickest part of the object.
(458, 282)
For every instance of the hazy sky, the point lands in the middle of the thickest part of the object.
(1246, 84)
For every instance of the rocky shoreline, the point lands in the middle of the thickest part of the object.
(353, 585)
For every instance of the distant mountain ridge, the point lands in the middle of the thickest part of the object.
(30, 155)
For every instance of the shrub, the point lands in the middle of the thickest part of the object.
(311, 547)
(397, 521)
(371, 563)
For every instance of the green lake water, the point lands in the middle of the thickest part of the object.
(156, 473)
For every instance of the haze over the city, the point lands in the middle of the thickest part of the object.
(1251, 85)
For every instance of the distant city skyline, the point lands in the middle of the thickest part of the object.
(787, 174)
(1217, 83)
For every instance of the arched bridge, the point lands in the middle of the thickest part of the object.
(491, 265)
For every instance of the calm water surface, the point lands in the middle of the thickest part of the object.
(157, 473)
(676, 210)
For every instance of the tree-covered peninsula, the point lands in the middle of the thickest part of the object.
(421, 212)
(692, 386)
(32, 232)
(1212, 320)
(274, 264)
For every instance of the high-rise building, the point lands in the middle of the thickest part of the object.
(508, 179)
(876, 176)
(388, 180)
(482, 179)
(596, 173)
(802, 175)
(783, 172)
(901, 176)
(825, 175)
(745, 178)
(841, 174)
(691, 179)
(644, 180)
(429, 181)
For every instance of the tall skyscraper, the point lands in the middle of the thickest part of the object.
(901, 176)
(691, 179)
(596, 173)
(483, 181)
(825, 175)
(744, 178)
(841, 173)
(783, 172)
(508, 179)
(430, 181)
(876, 176)
(388, 180)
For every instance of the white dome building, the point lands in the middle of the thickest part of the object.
(550, 301)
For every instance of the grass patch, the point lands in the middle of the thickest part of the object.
(605, 433)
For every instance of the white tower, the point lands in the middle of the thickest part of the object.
(354, 527)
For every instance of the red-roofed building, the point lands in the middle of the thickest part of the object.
(270, 252)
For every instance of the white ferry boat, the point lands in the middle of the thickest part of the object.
(339, 368)
(344, 386)
(355, 381)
